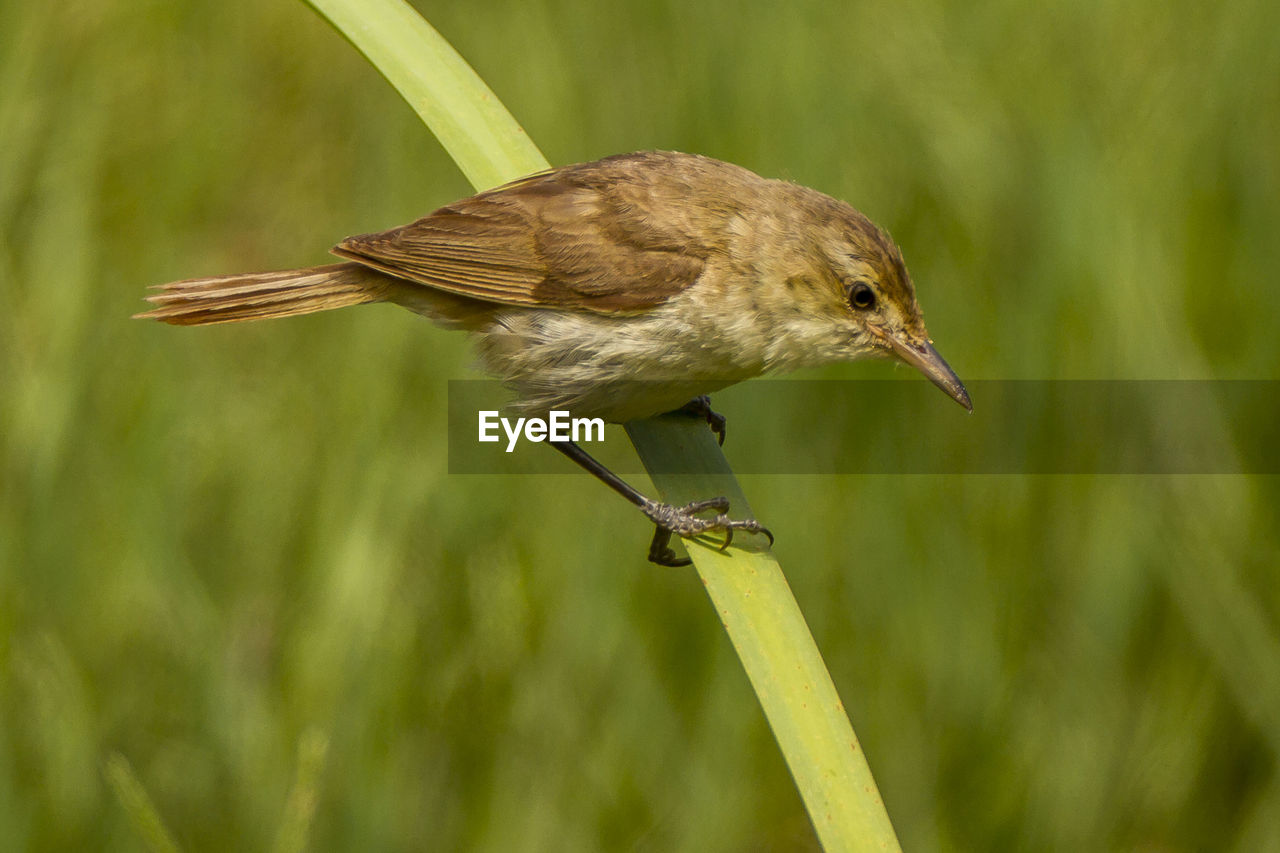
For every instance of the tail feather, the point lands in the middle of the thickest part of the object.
(259, 296)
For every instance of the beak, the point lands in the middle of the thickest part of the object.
(923, 357)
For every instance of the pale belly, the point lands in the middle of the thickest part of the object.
(615, 368)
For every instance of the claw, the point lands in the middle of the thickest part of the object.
(720, 505)
(700, 407)
(660, 550)
(671, 520)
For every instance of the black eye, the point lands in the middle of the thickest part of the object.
(861, 296)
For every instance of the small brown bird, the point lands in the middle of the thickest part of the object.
(621, 289)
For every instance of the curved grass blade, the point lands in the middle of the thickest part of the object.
(746, 586)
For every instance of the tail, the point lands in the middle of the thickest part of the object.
(260, 296)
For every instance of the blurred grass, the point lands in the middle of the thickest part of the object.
(217, 545)
(138, 805)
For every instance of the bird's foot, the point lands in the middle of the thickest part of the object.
(700, 407)
(684, 521)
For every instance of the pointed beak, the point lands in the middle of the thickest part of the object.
(921, 355)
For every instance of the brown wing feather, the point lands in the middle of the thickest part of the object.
(561, 239)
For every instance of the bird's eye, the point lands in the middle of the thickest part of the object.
(861, 296)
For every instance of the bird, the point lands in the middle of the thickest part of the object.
(621, 289)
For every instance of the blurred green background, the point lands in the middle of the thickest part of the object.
(217, 545)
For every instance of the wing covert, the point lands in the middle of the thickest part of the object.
(546, 240)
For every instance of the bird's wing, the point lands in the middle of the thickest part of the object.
(548, 240)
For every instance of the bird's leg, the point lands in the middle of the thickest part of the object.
(681, 520)
(700, 407)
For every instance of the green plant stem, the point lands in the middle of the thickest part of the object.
(772, 640)
(471, 123)
(745, 584)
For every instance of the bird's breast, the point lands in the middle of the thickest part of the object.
(618, 367)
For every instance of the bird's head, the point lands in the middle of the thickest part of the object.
(867, 293)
